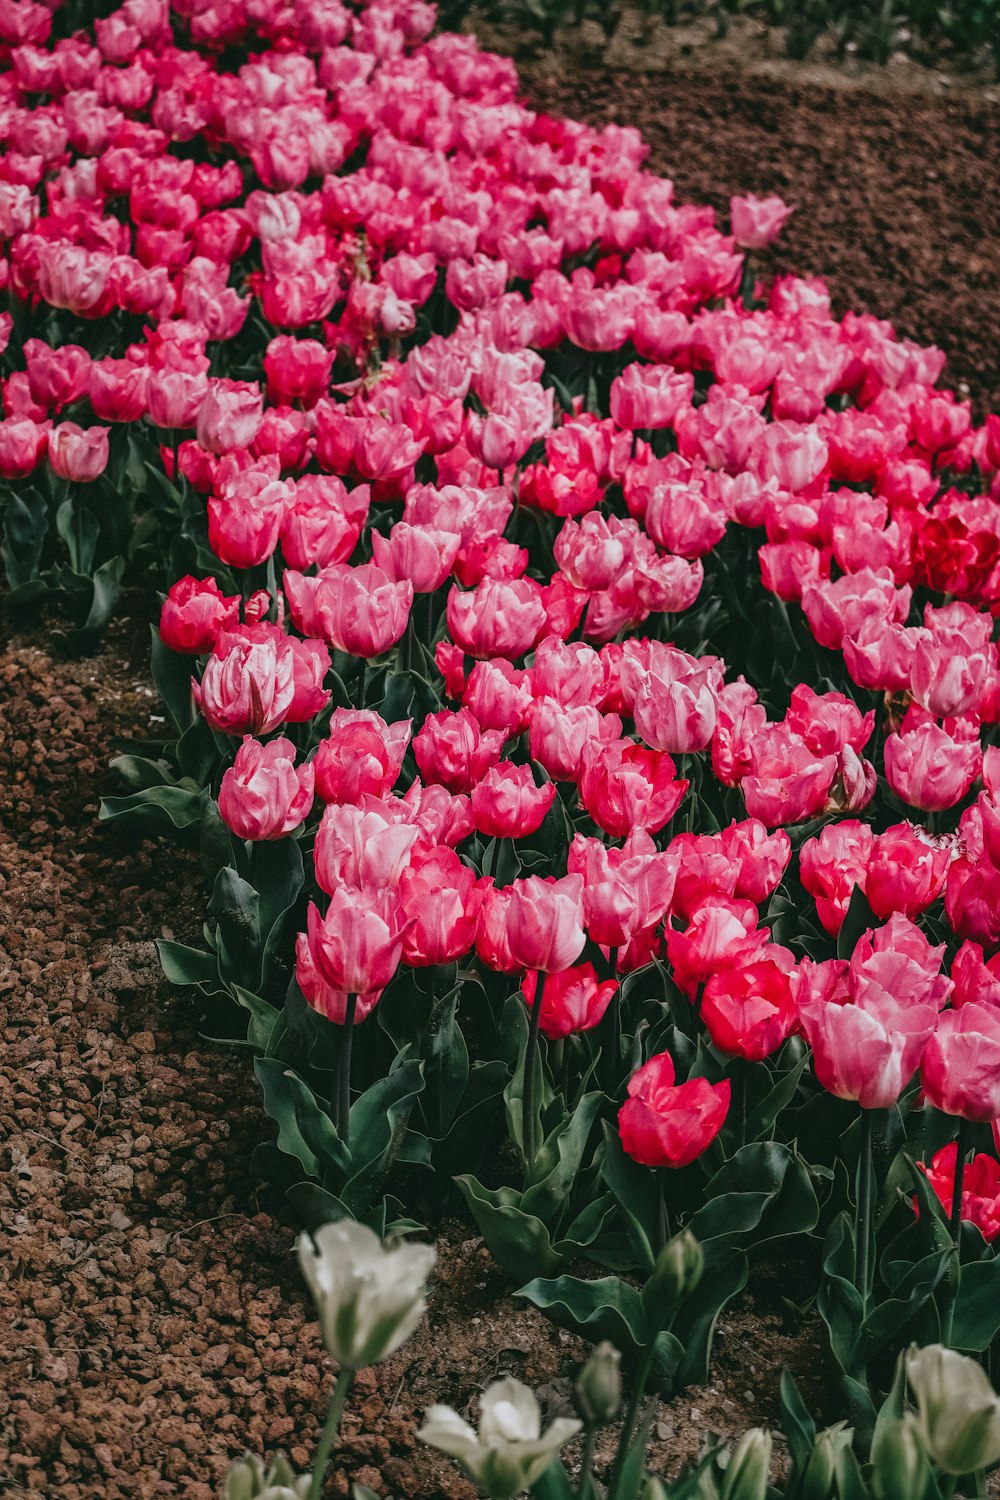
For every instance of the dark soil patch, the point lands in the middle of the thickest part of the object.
(897, 193)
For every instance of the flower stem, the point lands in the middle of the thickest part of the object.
(328, 1436)
(344, 1072)
(587, 1462)
(628, 1426)
(863, 1227)
(528, 1095)
(664, 1228)
(961, 1151)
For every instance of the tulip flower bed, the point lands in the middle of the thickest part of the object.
(580, 661)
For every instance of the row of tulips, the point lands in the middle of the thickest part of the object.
(581, 658)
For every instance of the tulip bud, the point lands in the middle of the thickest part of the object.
(677, 1272)
(748, 1467)
(369, 1296)
(900, 1470)
(249, 1480)
(820, 1471)
(654, 1489)
(958, 1409)
(598, 1388)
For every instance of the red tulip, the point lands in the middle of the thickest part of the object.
(441, 898)
(624, 786)
(750, 1010)
(194, 614)
(980, 1188)
(666, 1125)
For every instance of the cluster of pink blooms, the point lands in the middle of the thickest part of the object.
(368, 182)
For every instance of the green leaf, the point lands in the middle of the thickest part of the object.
(378, 1122)
(558, 1162)
(263, 1017)
(236, 907)
(141, 773)
(518, 1241)
(513, 1096)
(172, 676)
(107, 583)
(554, 1484)
(277, 871)
(977, 1306)
(446, 1066)
(725, 1273)
(635, 1191)
(159, 809)
(26, 524)
(761, 1193)
(607, 1308)
(798, 1425)
(305, 1130)
(197, 753)
(79, 529)
(857, 921)
(183, 965)
(839, 1301)
(760, 1120)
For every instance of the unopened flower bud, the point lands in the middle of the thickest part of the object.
(818, 1479)
(677, 1272)
(654, 1489)
(748, 1467)
(958, 1409)
(599, 1385)
(900, 1469)
(248, 1479)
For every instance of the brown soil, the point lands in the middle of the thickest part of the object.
(897, 191)
(151, 1311)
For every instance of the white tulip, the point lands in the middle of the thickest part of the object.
(510, 1452)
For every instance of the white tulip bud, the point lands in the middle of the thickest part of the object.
(369, 1296)
(958, 1409)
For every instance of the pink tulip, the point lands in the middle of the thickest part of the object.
(356, 946)
(247, 686)
(506, 803)
(757, 221)
(364, 845)
(78, 453)
(544, 922)
(263, 794)
(441, 899)
(497, 618)
(930, 769)
(961, 1066)
(358, 610)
